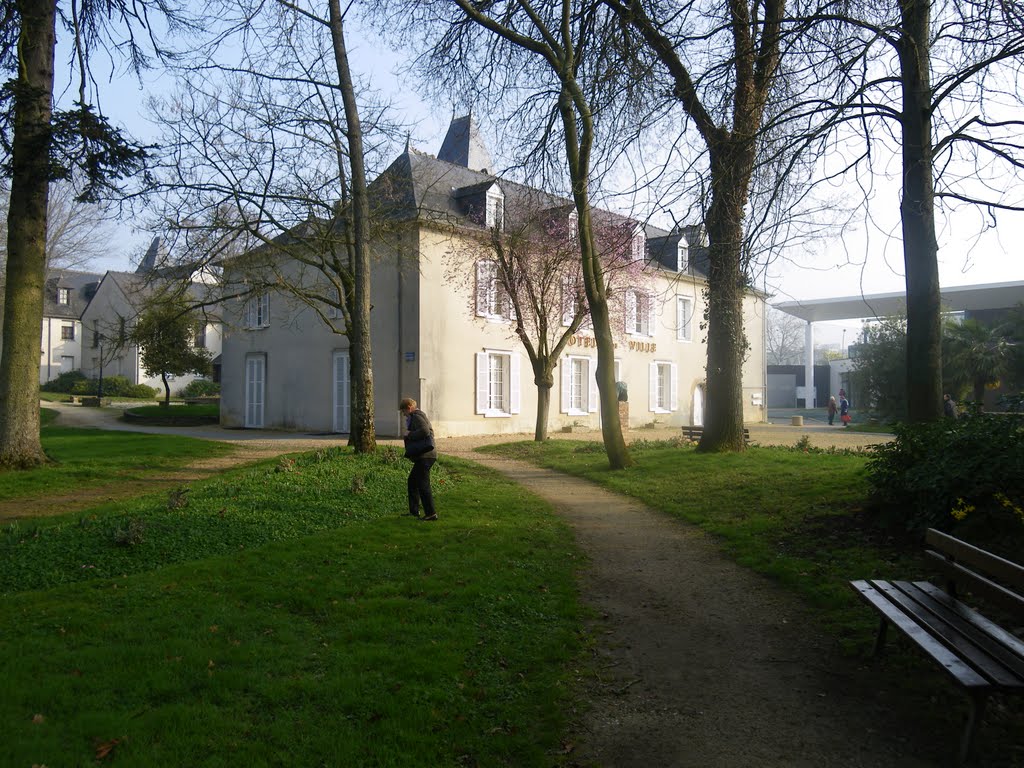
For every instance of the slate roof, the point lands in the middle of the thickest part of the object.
(82, 285)
(418, 186)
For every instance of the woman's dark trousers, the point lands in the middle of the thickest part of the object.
(419, 487)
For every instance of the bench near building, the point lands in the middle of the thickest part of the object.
(442, 334)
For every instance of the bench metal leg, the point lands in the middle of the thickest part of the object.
(883, 625)
(974, 715)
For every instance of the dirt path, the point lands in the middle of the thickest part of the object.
(705, 664)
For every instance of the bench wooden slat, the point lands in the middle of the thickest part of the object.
(1013, 644)
(977, 583)
(987, 657)
(879, 599)
(1005, 571)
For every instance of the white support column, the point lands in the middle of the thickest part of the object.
(809, 366)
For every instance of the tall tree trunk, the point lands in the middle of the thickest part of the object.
(731, 161)
(364, 437)
(917, 211)
(167, 390)
(578, 156)
(26, 237)
(540, 433)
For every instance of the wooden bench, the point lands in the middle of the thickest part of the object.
(976, 652)
(695, 433)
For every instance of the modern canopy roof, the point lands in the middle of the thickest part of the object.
(955, 298)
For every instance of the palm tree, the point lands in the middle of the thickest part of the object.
(978, 355)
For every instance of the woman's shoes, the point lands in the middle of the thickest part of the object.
(430, 518)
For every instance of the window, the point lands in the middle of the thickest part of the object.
(497, 383)
(570, 295)
(639, 313)
(638, 246)
(664, 391)
(64, 296)
(683, 255)
(684, 314)
(200, 341)
(579, 386)
(492, 300)
(96, 338)
(67, 332)
(495, 211)
(257, 311)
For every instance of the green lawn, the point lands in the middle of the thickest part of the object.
(89, 458)
(174, 415)
(287, 614)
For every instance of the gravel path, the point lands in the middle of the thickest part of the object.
(702, 663)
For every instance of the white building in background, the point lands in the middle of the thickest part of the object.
(66, 294)
(955, 299)
(449, 343)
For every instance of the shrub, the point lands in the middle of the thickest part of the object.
(64, 382)
(200, 388)
(964, 473)
(119, 386)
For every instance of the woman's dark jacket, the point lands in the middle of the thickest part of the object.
(419, 428)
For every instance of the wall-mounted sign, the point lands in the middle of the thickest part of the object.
(410, 357)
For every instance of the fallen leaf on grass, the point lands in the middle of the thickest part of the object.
(106, 748)
(38, 719)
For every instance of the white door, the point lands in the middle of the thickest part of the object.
(67, 363)
(698, 407)
(255, 388)
(342, 393)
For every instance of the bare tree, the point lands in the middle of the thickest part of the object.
(558, 47)
(783, 337)
(529, 271)
(77, 233)
(267, 153)
(940, 81)
(40, 145)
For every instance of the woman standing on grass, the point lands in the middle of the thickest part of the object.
(420, 450)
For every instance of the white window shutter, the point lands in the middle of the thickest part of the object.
(595, 395)
(652, 381)
(483, 287)
(674, 401)
(250, 313)
(651, 316)
(631, 302)
(566, 365)
(514, 388)
(483, 375)
(567, 303)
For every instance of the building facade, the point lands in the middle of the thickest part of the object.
(65, 296)
(442, 332)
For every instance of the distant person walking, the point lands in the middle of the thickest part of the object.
(832, 410)
(844, 409)
(421, 451)
(949, 407)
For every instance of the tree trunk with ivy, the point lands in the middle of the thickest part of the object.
(20, 445)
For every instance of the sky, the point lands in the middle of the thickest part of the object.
(865, 258)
